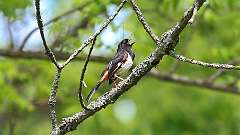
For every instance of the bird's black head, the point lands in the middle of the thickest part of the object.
(125, 44)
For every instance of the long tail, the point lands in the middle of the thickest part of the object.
(93, 91)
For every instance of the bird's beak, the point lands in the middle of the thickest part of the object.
(132, 43)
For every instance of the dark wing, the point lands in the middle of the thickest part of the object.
(116, 63)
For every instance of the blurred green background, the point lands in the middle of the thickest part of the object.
(152, 106)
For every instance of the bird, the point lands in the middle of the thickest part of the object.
(118, 65)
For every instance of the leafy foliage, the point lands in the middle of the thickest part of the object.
(10, 7)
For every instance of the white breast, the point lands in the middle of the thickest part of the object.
(127, 65)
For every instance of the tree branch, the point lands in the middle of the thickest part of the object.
(144, 23)
(48, 51)
(52, 101)
(201, 63)
(40, 55)
(82, 75)
(220, 72)
(193, 82)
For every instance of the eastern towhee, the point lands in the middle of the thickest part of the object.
(122, 62)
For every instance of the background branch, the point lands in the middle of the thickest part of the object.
(14, 54)
(193, 82)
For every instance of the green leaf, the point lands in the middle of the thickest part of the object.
(10, 7)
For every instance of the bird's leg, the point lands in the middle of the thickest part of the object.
(119, 77)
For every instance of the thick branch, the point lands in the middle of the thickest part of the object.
(70, 123)
(201, 63)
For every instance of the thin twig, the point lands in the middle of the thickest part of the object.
(220, 72)
(83, 73)
(142, 20)
(90, 39)
(48, 51)
(79, 8)
(201, 63)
